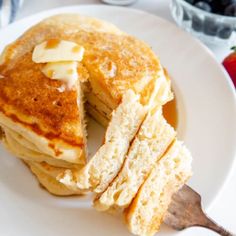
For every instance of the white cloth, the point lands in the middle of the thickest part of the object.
(8, 10)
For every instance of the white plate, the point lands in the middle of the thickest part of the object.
(207, 111)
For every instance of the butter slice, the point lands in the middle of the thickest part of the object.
(64, 71)
(55, 50)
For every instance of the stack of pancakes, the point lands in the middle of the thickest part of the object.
(122, 85)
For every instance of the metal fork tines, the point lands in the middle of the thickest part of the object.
(186, 211)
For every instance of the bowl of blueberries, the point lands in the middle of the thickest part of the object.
(212, 21)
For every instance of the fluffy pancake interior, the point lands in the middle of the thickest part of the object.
(145, 215)
(152, 140)
(106, 163)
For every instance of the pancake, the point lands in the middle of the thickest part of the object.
(146, 213)
(49, 117)
(46, 176)
(97, 115)
(152, 140)
(106, 163)
(13, 142)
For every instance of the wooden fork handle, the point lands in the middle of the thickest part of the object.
(210, 224)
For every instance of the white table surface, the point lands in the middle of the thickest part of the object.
(223, 210)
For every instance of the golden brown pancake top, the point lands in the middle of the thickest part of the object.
(26, 95)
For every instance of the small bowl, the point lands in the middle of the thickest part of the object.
(209, 27)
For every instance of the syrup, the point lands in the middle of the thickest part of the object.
(52, 43)
(170, 113)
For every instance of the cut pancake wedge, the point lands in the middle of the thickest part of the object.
(145, 215)
(33, 107)
(152, 140)
(106, 163)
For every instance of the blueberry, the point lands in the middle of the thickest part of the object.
(197, 23)
(217, 7)
(225, 32)
(190, 1)
(230, 10)
(210, 27)
(203, 6)
(225, 3)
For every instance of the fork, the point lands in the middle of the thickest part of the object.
(186, 211)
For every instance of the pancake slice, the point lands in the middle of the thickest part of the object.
(152, 140)
(146, 213)
(106, 163)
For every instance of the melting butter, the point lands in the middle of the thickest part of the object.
(55, 50)
(64, 71)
